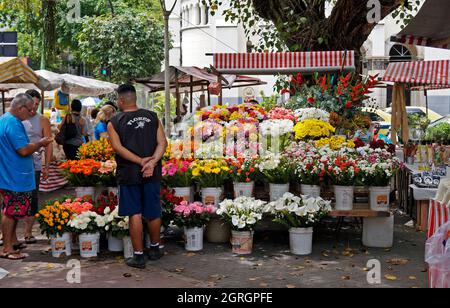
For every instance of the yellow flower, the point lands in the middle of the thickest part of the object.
(216, 170)
(196, 172)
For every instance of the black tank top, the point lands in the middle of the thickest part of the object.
(138, 134)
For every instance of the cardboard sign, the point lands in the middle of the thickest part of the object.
(210, 200)
(86, 246)
(60, 245)
(382, 200)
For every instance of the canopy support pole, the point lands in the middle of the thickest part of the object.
(3, 101)
(426, 100)
(192, 94)
(177, 94)
(42, 101)
(209, 96)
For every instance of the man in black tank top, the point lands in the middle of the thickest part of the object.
(139, 140)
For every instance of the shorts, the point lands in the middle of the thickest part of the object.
(16, 205)
(142, 199)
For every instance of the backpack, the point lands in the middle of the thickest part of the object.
(68, 131)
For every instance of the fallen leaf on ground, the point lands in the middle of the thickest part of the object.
(179, 270)
(127, 275)
(390, 277)
(412, 278)
(387, 249)
(398, 261)
(191, 254)
(263, 284)
(366, 269)
(253, 279)
(346, 277)
(290, 286)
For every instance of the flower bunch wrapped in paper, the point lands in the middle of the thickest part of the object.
(242, 213)
(192, 215)
(298, 212)
(99, 150)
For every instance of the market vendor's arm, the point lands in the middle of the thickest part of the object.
(122, 151)
(47, 132)
(159, 152)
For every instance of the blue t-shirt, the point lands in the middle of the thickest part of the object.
(100, 128)
(16, 172)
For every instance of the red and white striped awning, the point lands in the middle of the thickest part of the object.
(429, 27)
(284, 62)
(429, 74)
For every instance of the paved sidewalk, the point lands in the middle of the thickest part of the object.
(333, 264)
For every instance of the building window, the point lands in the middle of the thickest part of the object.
(399, 53)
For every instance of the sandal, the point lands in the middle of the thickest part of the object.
(16, 255)
(19, 246)
(30, 240)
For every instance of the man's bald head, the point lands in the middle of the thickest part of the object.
(127, 95)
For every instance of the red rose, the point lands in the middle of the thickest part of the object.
(311, 100)
(348, 105)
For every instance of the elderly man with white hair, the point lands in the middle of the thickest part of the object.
(17, 180)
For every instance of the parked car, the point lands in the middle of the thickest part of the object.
(432, 116)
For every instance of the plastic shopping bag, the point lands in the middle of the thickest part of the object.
(437, 255)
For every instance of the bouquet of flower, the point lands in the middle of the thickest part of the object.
(210, 173)
(242, 213)
(208, 130)
(87, 222)
(117, 225)
(54, 219)
(276, 168)
(276, 134)
(313, 129)
(107, 173)
(298, 212)
(99, 150)
(343, 170)
(311, 169)
(242, 138)
(242, 170)
(192, 215)
(180, 149)
(311, 113)
(78, 205)
(168, 201)
(280, 113)
(177, 173)
(106, 200)
(82, 173)
(378, 166)
(335, 143)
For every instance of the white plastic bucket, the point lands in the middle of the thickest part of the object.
(242, 242)
(212, 196)
(61, 245)
(187, 193)
(312, 191)
(243, 189)
(379, 198)
(378, 232)
(277, 191)
(128, 251)
(89, 244)
(344, 197)
(81, 192)
(115, 244)
(194, 239)
(300, 241)
(217, 231)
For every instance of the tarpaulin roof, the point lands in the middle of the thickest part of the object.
(14, 70)
(284, 62)
(196, 77)
(429, 27)
(430, 75)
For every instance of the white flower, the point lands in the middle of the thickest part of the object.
(311, 113)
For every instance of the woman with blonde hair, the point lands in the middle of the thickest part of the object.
(105, 115)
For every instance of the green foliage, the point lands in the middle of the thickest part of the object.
(131, 45)
(440, 132)
(160, 106)
(269, 102)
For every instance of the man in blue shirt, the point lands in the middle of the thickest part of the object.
(17, 179)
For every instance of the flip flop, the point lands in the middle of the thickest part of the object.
(13, 256)
(1, 243)
(30, 240)
(19, 246)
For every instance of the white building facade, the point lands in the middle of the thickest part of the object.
(195, 33)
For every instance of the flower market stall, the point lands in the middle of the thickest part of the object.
(429, 159)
